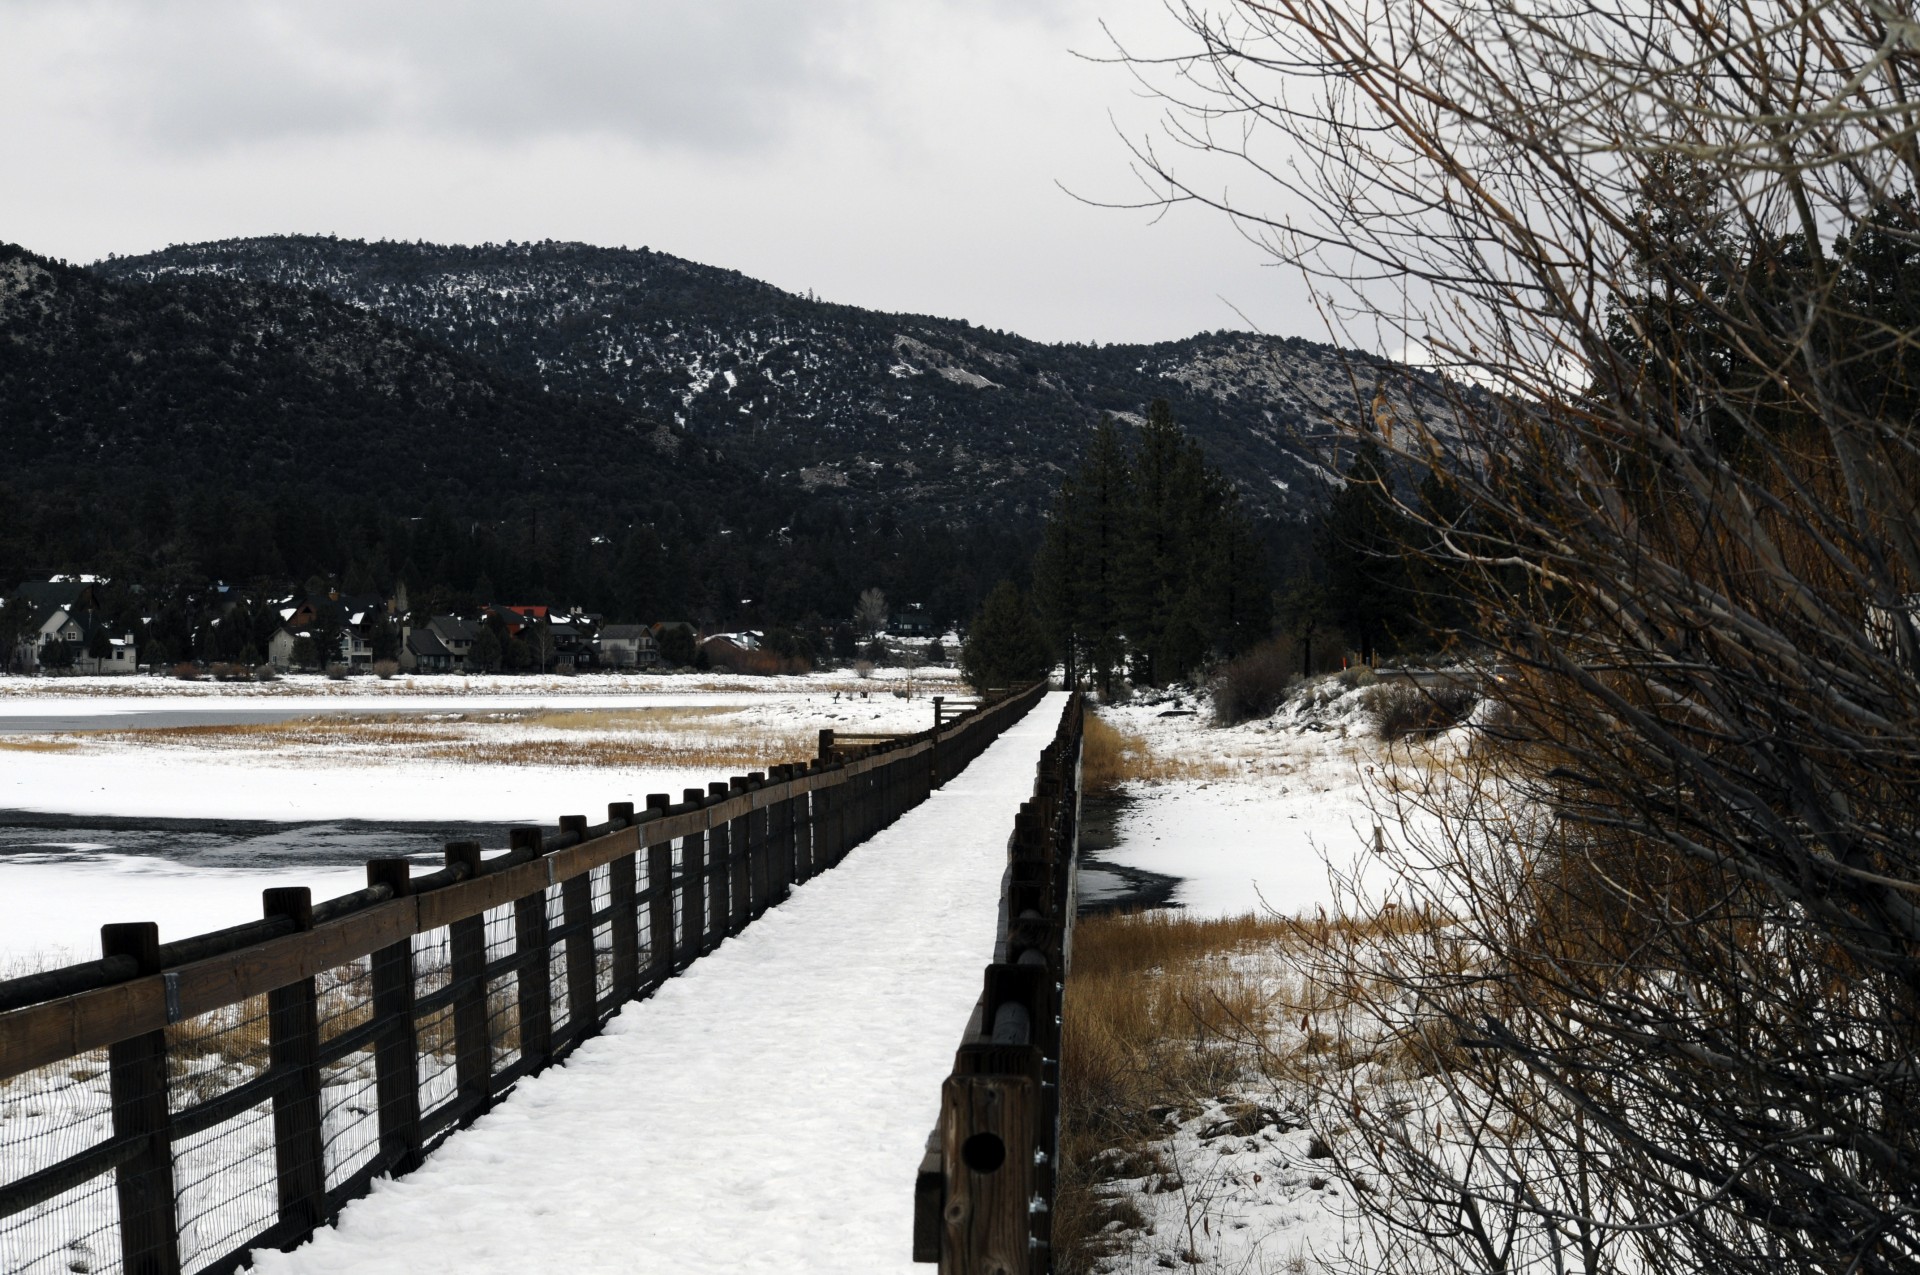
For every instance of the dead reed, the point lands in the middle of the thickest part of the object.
(1165, 1012)
(700, 737)
(1115, 755)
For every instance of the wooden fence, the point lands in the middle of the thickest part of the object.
(983, 1200)
(172, 1107)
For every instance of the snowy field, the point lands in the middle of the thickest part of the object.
(1261, 816)
(111, 694)
(765, 1111)
(497, 757)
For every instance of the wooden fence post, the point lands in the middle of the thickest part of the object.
(137, 1082)
(293, 1024)
(583, 975)
(396, 1050)
(659, 902)
(740, 846)
(805, 837)
(826, 823)
(535, 978)
(780, 818)
(986, 1122)
(623, 898)
(720, 870)
(693, 886)
(472, 1042)
(753, 848)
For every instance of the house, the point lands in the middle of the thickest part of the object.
(911, 620)
(280, 646)
(122, 657)
(76, 631)
(456, 635)
(518, 618)
(425, 652)
(56, 610)
(628, 646)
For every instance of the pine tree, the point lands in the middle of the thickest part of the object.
(1363, 544)
(1080, 572)
(1149, 557)
(1004, 645)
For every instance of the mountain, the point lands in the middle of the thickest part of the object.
(264, 387)
(181, 430)
(930, 418)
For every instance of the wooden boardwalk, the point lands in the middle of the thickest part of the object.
(765, 1111)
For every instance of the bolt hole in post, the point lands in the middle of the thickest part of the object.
(983, 1152)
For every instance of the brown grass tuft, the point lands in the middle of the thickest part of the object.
(1114, 755)
(1165, 1012)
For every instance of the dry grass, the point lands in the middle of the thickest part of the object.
(37, 745)
(705, 737)
(1114, 756)
(1165, 1012)
(1159, 1017)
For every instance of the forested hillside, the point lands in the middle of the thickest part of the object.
(933, 418)
(205, 428)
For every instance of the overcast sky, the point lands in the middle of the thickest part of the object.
(897, 154)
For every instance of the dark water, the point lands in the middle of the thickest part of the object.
(1110, 887)
(233, 843)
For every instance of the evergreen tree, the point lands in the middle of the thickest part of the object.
(1160, 558)
(1363, 545)
(1005, 646)
(1149, 557)
(1080, 574)
(485, 653)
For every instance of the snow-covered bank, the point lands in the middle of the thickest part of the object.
(763, 1112)
(1254, 817)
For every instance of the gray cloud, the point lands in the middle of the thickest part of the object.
(657, 73)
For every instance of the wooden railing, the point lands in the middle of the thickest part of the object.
(983, 1200)
(173, 1107)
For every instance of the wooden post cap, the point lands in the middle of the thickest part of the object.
(397, 873)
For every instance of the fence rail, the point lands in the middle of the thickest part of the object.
(172, 1107)
(983, 1199)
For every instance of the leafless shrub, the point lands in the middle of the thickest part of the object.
(1404, 708)
(1255, 684)
(385, 669)
(337, 672)
(188, 671)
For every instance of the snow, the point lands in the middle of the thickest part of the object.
(1280, 819)
(53, 902)
(765, 1111)
(239, 785)
(67, 694)
(52, 906)
(1273, 836)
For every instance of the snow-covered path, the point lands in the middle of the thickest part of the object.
(765, 1111)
